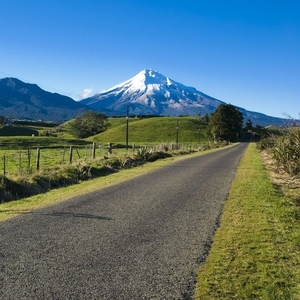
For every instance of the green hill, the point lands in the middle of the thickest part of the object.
(153, 130)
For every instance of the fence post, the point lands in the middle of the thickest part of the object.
(109, 148)
(93, 150)
(28, 156)
(71, 154)
(78, 153)
(20, 161)
(38, 154)
(4, 166)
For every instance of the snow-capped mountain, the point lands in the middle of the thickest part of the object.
(151, 93)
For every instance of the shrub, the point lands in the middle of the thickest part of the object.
(143, 154)
(287, 151)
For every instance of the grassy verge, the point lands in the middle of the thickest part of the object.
(255, 252)
(14, 208)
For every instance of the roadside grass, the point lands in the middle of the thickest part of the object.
(17, 207)
(255, 251)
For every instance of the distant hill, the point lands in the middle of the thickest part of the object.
(25, 101)
(151, 93)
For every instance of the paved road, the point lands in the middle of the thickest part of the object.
(141, 239)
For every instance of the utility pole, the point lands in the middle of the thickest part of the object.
(127, 109)
(177, 130)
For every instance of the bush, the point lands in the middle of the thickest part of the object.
(143, 154)
(267, 143)
(287, 151)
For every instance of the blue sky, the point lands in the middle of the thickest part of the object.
(246, 53)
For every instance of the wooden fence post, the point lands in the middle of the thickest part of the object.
(71, 154)
(4, 166)
(93, 151)
(109, 148)
(38, 154)
(78, 153)
(20, 161)
(28, 156)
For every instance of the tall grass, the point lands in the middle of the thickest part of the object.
(286, 151)
(285, 148)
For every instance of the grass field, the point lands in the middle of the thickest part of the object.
(154, 130)
(256, 250)
(18, 152)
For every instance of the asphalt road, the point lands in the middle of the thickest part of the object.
(141, 239)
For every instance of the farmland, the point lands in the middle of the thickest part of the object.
(52, 153)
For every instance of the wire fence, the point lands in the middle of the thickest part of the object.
(15, 162)
(35, 159)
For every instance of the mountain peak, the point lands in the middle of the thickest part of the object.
(148, 76)
(151, 93)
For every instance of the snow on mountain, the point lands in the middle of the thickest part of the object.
(150, 92)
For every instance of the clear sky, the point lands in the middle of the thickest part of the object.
(246, 53)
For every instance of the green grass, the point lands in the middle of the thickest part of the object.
(55, 150)
(255, 251)
(24, 142)
(154, 130)
(18, 162)
(14, 208)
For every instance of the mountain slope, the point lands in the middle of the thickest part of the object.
(151, 93)
(26, 101)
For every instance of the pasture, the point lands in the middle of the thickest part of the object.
(30, 148)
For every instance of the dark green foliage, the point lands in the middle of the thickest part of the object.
(18, 131)
(24, 142)
(158, 155)
(3, 121)
(226, 123)
(35, 123)
(248, 125)
(88, 124)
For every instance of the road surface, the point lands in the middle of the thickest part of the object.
(141, 239)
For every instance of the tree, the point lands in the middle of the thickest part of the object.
(226, 123)
(87, 124)
(248, 125)
(205, 118)
(3, 121)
